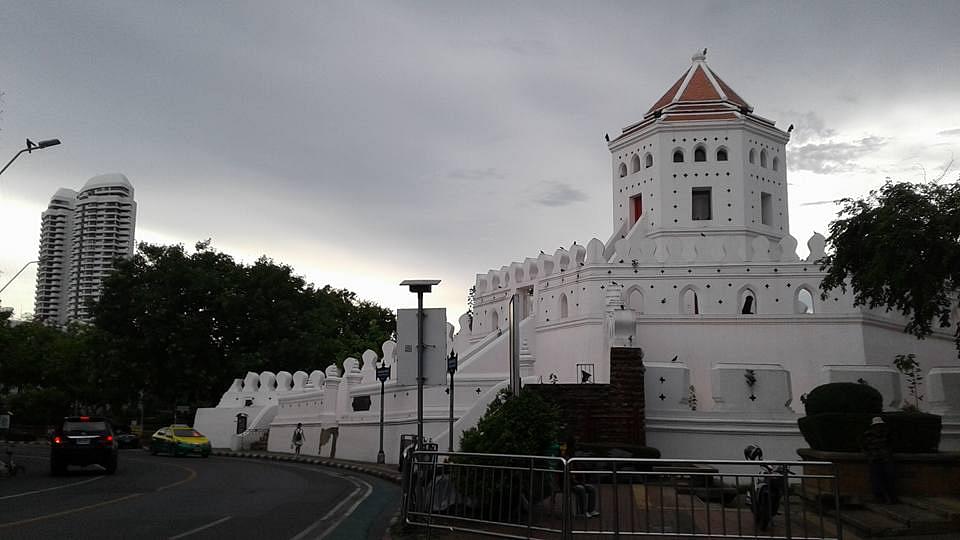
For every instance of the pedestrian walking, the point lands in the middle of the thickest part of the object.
(297, 439)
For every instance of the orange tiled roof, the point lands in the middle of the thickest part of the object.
(700, 85)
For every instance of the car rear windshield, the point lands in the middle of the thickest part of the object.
(85, 427)
(186, 433)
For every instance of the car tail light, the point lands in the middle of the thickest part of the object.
(84, 418)
(57, 440)
(109, 438)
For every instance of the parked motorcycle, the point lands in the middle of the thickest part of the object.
(767, 490)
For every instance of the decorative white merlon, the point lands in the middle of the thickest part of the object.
(885, 379)
(817, 245)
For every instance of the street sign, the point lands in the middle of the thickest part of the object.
(383, 374)
(183, 408)
(452, 363)
(434, 346)
(4, 421)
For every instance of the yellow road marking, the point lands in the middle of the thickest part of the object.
(192, 475)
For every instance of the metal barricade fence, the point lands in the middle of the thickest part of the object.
(511, 496)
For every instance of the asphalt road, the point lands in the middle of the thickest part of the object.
(195, 498)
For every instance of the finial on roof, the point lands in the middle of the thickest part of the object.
(699, 56)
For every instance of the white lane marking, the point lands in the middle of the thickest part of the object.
(25, 493)
(336, 523)
(201, 528)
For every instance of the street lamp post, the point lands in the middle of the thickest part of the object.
(451, 369)
(420, 286)
(383, 373)
(17, 274)
(31, 146)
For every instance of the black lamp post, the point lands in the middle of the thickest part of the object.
(31, 146)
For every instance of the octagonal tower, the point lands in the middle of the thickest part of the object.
(701, 163)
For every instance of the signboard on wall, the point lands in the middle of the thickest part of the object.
(434, 346)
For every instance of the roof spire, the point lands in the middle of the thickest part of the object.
(700, 56)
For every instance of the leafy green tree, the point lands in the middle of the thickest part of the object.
(182, 325)
(524, 424)
(899, 249)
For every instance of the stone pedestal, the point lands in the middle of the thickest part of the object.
(926, 475)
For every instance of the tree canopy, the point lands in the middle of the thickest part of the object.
(193, 322)
(899, 249)
(180, 327)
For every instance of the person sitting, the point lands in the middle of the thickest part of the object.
(584, 493)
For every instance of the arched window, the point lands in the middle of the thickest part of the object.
(763, 158)
(721, 154)
(804, 303)
(494, 321)
(752, 156)
(748, 302)
(648, 161)
(776, 163)
(689, 302)
(635, 163)
(623, 170)
(678, 156)
(699, 154)
(635, 301)
(564, 307)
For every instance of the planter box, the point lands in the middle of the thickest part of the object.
(928, 475)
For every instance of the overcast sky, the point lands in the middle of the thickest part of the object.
(364, 143)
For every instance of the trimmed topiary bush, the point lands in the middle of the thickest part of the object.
(839, 413)
(844, 397)
(834, 432)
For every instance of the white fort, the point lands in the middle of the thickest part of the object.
(701, 272)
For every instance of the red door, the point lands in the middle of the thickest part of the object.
(636, 209)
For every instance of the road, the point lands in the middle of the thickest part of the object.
(195, 498)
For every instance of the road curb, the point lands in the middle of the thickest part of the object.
(27, 443)
(323, 462)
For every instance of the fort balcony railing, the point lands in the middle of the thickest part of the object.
(513, 496)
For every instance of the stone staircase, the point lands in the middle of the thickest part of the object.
(920, 518)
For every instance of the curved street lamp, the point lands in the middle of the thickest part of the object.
(17, 274)
(31, 146)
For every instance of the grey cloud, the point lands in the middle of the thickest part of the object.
(475, 174)
(808, 126)
(949, 132)
(834, 157)
(560, 194)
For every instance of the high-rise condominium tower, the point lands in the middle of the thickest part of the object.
(81, 236)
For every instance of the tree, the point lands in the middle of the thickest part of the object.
(181, 326)
(524, 424)
(899, 249)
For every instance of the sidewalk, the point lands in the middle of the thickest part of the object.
(385, 472)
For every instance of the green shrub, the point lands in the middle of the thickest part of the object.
(835, 432)
(914, 432)
(844, 397)
(525, 424)
(841, 432)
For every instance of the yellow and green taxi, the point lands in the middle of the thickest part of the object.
(179, 440)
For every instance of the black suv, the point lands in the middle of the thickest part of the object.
(83, 440)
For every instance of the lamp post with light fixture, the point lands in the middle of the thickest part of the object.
(31, 146)
(420, 286)
(17, 274)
